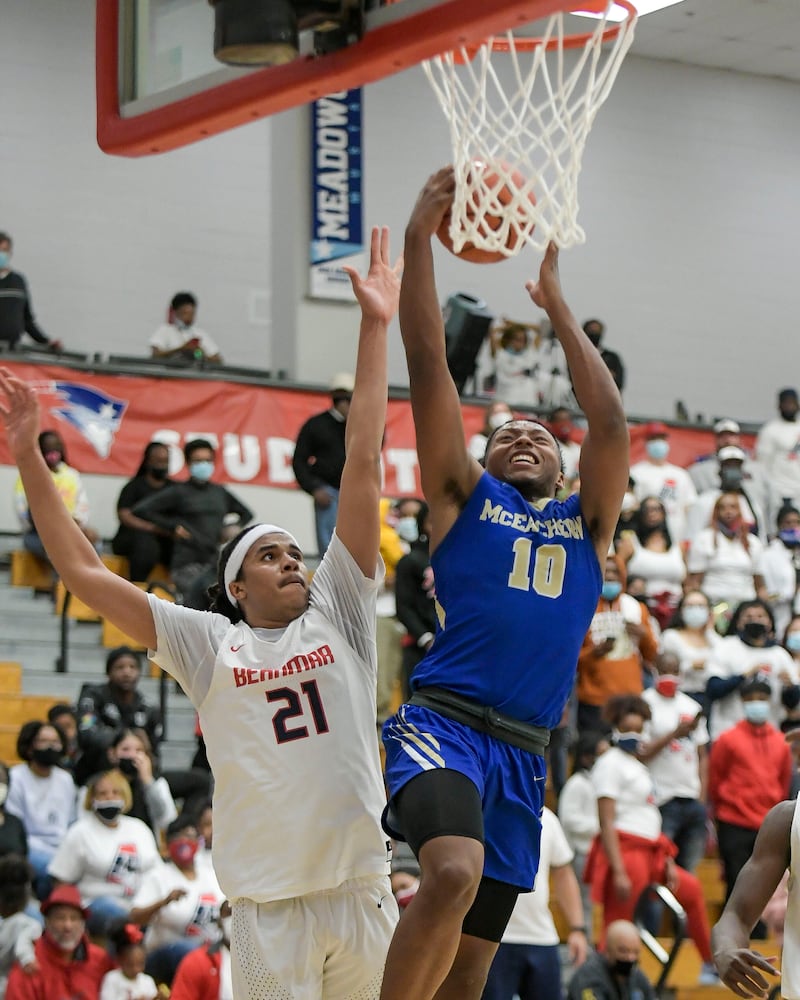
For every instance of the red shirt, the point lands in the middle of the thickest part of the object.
(197, 977)
(59, 978)
(750, 769)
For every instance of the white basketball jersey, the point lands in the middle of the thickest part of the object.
(288, 716)
(790, 961)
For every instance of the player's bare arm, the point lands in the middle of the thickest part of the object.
(73, 556)
(448, 471)
(605, 450)
(357, 522)
(739, 966)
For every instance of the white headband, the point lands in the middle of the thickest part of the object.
(234, 563)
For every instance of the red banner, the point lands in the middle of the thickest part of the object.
(106, 421)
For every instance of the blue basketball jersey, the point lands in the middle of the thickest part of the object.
(517, 584)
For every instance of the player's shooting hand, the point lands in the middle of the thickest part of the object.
(379, 293)
(738, 969)
(19, 411)
(546, 292)
(434, 202)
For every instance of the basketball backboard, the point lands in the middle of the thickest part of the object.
(159, 86)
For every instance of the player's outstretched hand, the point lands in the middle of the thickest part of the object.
(379, 293)
(19, 411)
(434, 202)
(738, 969)
(547, 290)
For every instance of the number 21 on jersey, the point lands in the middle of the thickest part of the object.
(549, 567)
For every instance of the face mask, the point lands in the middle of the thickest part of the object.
(47, 757)
(657, 449)
(5, 257)
(515, 350)
(594, 338)
(731, 478)
(201, 470)
(793, 641)
(128, 767)
(407, 529)
(789, 415)
(158, 472)
(790, 537)
(694, 616)
(620, 968)
(182, 851)
(667, 686)
(53, 458)
(108, 809)
(756, 712)
(611, 590)
(629, 742)
(3, 793)
(753, 630)
(498, 419)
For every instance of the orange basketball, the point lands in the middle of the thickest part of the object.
(500, 202)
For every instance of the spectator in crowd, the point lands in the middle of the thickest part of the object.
(68, 964)
(205, 832)
(416, 607)
(497, 414)
(129, 981)
(654, 476)
(777, 449)
(178, 902)
(70, 488)
(18, 930)
(104, 709)
(631, 851)
(13, 839)
(692, 638)
(143, 543)
(577, 809)
(780, 566)
(613, 974)
(527, 963)
(652, 553)
(515, 364)
(749, 773)
(65, 719)
(618, 645)
(705, 472)
(179, 339)
(748, 649)
(566, 433)
(42, 796)
(594, 330)
(791, 643)
(730, 462)
(319, 457)
(555, 385)
(195, 513)
(130, 751)
(16, 310)
(106, 853)
(725, 559)
(676, 751)
(205, 974)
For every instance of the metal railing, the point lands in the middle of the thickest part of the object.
(645, 906)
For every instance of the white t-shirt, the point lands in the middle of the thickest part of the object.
(194, 916)
(620, 776)
(115, 986)
(516, 377)
(610, 624)
(531, 920)
(45, 805)
(169, 337)
(727, 565)
(225, 976)
(577, 811)
(663, 572)
(779, 567)
(734, 658)
(693, 678)
(105, 860)
(288, 717)
(674, 488)
(676, 769)
(778, 450)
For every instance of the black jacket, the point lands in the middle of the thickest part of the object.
(414, 591)
(319, 452)
(594, 981)
(100, 717)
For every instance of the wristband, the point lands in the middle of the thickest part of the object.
(573, 930)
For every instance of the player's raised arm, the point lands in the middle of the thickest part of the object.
(448, 472)
(357, 521)
(605, 450)
(72, 555)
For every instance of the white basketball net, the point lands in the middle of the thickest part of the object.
(530, 133)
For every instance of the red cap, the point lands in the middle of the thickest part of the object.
(656, 429)
(64, 895)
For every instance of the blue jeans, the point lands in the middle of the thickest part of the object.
(325, 520)
(530, 971)
(39, 859)
(684, 822)
(102, 911)
(162, 963)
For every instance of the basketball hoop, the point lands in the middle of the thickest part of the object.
(528, 125)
